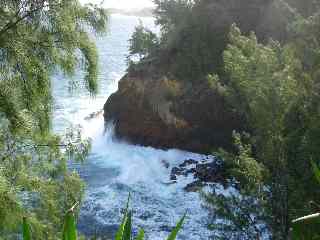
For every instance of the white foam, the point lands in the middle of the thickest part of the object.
(141, 171)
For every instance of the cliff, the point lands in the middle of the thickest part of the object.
(153, 109)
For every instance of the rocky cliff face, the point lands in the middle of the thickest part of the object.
(153, 109)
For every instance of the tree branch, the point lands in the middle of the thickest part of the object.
(15, 23)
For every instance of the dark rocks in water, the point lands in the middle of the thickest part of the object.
(194, 186)
(166, 228)
(93, 115)
(146, 215)
(173, 177)
(172, 181)
(177, 171)
(89, 226)
(204, 171)
(188, 162)
(165, 163)
(208, 172)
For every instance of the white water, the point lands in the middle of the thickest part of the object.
(115, 168)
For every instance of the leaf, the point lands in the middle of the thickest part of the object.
(305, 228)
(128, 202)
(177, 228)
(69, 228)
(316, 171)
(120, 232)
(140, 235)
(127, 227)
(26, 233)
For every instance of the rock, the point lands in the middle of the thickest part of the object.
(165, 163)
(203, 171)
(194, 186)
(190, 171)
(173, 177)
(93, 115)
(182, 169)
(176, 171)
(165, 228)
(152, 109)
(210, 172)
(172, 181)
(146, 215)
(188, 162)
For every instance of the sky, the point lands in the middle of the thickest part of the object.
(122, 4)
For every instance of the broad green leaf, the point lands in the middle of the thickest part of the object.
(26, 233)
(127, 228)
(140, 235)
(316, 171)
(177, 228)
(69, 228)
(306, 228)
(120, 232)
(128, 203)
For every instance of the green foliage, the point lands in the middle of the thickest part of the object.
(194, 34)
(307, 227)
(263, 85)
(316, 170)
(235, 215)
(37, 38)
(274, 87)
(69, 228)
(306, 8)
(26, 233)
(140, 235)
(127, 227)
(248, 171)
(143, 42)
(241, 213)
(170, 14)
(177, 228)
(121, 231)
(125, 230)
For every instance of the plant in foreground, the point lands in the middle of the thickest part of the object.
(124, 232)
(306, 227)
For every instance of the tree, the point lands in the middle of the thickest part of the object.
(275, 87)
(171, 13)
(36, 38)
(194, 34)
(143, 42)
(306, 8)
